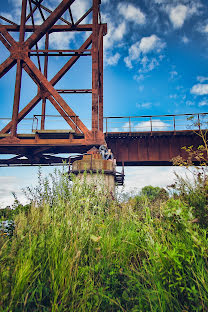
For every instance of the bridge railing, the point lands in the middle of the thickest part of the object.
(31, 124)
(156, 123)
(130, 124)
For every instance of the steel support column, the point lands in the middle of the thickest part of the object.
(18, 73)
(95, 69)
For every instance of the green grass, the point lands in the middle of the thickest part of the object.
(78, 249)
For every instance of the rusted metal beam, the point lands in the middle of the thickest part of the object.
(7, 20)
(72, 91)
(58, 53)
(49, 87)
(53, 81)
(83, 17)
(49, 22)
(33, 23)
(49, 11)
(55, 28)
(7, 36)
(146, 150)
(100, 51)
(18, 73)
(46, 75)
(3, 40)
(71, 16)
(95, 67)
(66, 117)
(20, 52)
(33, 11)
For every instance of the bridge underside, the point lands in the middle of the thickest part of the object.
(130, 149)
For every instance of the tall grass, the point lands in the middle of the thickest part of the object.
(78, 249)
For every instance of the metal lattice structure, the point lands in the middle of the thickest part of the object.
(32, 147)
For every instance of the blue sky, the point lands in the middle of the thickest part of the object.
(156, 54)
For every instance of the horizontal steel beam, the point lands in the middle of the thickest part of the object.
(141, 150)
(55, 28)
(146, 149)
(77, 91)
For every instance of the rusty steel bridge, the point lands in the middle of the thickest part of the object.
(136, 140)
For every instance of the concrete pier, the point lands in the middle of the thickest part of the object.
(96, 170)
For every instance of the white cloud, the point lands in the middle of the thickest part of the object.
(148, 44)
(132, 13)
(206, 28)
(139, 77)
(9, 185)
(144, 46)
(61, 40)
(141, 88)
(190, 103)
(148, 64)
(179, 13)
(156, 124)
(115, 33)
(147, 125)
(138, 177)
(200, 89)
(113, 59)
(185, 39)
(173, 96)
(144, 105)
(119, 32)
(173, 74)
(203, 103)
(16, 3)
(202, 79)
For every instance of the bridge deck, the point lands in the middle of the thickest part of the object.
(131, 148)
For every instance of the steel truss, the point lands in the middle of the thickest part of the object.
(32, 149)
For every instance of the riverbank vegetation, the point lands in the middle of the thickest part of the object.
(77, 248)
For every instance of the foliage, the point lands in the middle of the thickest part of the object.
(194, 191)
(154, 193)
(77, 249)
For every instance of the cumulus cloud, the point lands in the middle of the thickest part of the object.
(144, 46)
(138, 177)
(112, 59)
(173, 96)
(115, 33)
(61, 40)
(144, 105)
(139, 77)
(206, 28)
(181, 12)
(9, 185)
(203, 103)
(178, 15)
(147, 125)
(148, 64)
(190, 103)
(148, 44)
(202, 79)
(132, 13)
(185, 39)
(200, 89)
(203, 27)
(173, 74)
(156, 125)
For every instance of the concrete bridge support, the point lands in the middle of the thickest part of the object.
(98, 171)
